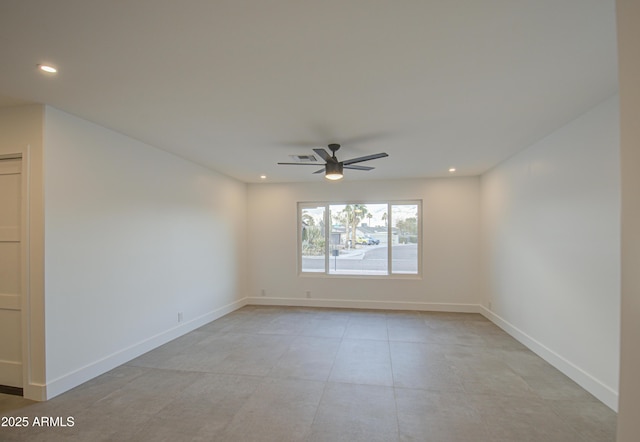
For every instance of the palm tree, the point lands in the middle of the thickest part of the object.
(369, 216)
(359, 212)
(348, 218)
(384, 218)
(308, 219)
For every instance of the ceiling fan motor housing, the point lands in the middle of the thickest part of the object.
(334, 168)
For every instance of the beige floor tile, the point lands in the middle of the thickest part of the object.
(594, 421)
(376, 330)
(307, 358)
(357, 409)
(350, 435)
(325, 326)
(410, 333)
(519, 419)
(279, 410)
(306, 374)
(362, 361)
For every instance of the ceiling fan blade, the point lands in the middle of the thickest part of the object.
(301, 164)
(359, 167)
(365, 158)
(324, 154)
(319, 171)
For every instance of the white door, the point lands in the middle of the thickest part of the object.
(10, 273)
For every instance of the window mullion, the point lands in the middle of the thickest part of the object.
(389, 240)
(327, 238)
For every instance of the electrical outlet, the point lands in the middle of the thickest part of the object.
(180, 316)
(308, 292)
(263, 292)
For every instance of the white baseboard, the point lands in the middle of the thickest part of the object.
(90, 371)
(35, 392)
(365, 304)
(604, 393)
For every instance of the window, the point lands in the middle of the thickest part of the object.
(359, 239)
(312, 244)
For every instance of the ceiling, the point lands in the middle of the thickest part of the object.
(239, 85)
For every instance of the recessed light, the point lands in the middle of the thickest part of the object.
(453, 169)
(263, 177)
(47, 68)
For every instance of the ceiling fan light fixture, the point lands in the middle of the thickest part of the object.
(333, 171)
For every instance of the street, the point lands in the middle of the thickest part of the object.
(368, 260)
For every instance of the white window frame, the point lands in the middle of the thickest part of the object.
(327, 235)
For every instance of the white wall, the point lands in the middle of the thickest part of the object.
(133, 235)
(629, 56)
(551, 227)
(451, 241)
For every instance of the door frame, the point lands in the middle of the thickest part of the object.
(23, 280)
(32, 307)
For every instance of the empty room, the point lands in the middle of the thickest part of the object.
(459, 263)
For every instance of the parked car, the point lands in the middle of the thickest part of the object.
(367, 241)
(372, 241)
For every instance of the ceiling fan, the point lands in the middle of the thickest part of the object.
(332, 167)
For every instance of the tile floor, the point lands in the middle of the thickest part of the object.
(301, 374)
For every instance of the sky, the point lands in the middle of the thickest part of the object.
(400, 212)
